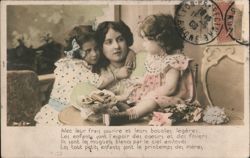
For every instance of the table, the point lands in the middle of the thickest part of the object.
(71, 116)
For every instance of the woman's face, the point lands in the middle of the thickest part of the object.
(92, 52)
(115, 47)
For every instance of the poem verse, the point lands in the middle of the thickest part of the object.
(150, 139)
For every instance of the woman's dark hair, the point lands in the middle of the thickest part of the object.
(118, 26)
(161, 28)
(82, 34)
(101, 31)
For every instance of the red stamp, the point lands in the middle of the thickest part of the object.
(223, 36)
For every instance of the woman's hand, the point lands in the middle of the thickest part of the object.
(123, 72)
(131, 59)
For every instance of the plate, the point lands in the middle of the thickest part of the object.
(89, 101)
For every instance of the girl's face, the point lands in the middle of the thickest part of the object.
(92, 52)
(152, 46)
(115, 47)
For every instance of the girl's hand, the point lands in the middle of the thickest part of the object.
(127, 92)
(131, 59)
(123, 72)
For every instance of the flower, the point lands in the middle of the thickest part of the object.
(34, 38)
(181, 107)
(215, 115)
(161, 119)
(18, 38)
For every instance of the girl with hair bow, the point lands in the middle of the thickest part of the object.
(82, 53)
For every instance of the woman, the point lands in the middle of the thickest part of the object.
(114, 39)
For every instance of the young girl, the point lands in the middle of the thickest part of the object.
(81, 54)
(168, 79)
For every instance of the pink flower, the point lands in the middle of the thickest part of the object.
(161, 119)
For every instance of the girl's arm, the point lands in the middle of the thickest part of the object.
(110, 77)
(171, 82)
(106, 80)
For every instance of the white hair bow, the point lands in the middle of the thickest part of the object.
(75, 47)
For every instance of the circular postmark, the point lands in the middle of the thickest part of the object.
(234, 24)
(198, 21)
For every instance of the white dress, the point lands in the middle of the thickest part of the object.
(68, 73)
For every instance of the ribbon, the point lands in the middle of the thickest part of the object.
(75, 47)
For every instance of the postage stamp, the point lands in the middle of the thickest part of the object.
(232, 16)
(125, 78)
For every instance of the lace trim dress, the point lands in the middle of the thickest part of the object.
(156, 70)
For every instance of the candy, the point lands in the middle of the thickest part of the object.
(97, 97)
(98, 100)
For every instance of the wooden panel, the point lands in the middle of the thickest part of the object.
(222, 76)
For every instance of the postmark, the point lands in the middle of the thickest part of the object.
(198, 22)
(233, 24)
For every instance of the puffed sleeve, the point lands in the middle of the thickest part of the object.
(68, 71)
(179, 62)
(63, 65)
(59, 65)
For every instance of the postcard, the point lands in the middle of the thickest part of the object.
(125, 78)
